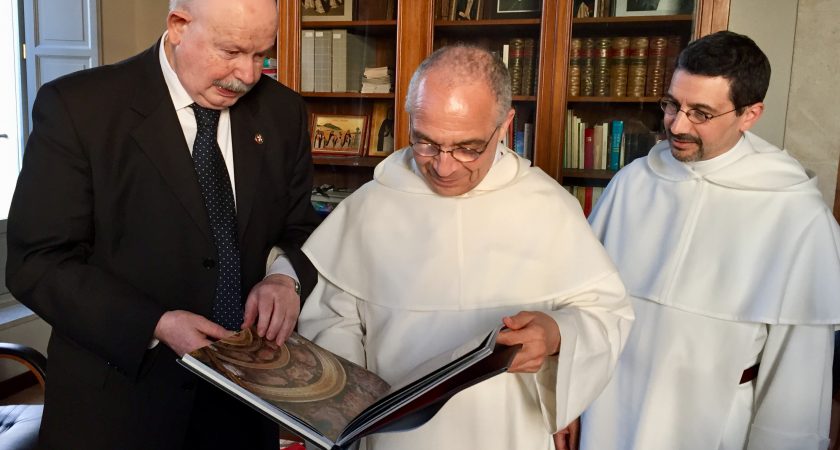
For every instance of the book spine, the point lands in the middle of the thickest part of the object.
(597, 148)
(589, 148)
(656, 62)
(528, 131)
(515, 65)
(616, 132)
(323, 61)
(528, 69)
(581, 145)
(339, 60)
(307, 61)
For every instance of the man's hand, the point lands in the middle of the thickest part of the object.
(569, 437)
(184, 331)
(539, 335)
(275, 306)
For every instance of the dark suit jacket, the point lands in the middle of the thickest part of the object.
(108, 230)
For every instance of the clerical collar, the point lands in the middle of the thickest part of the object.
(724, 159)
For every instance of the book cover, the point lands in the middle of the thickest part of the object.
(331, 402)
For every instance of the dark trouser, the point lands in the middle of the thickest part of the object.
(221, 422)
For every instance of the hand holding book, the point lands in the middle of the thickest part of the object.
(330, 401)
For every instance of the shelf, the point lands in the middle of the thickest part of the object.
(495, 27)
(634, 20)
(346, 95)
(486, 23)
(341, 160)
(613, 99)
(524, 98)
(633, 25)
(372, 27)
(588, 173)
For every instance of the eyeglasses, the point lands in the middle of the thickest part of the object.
(695, 116)
(460, 153)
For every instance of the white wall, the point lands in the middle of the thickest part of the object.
(802, 112)
(772, 25)
(813, 123)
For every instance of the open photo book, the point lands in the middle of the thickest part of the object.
(331, 402)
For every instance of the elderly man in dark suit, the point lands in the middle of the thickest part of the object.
(151, 196)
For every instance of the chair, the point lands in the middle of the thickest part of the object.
(19, 424)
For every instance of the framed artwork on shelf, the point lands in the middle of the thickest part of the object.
(515, 9)
(652, 7)
(338, 135)
(381, 141)
(326, 10)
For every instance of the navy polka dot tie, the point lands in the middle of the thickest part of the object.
(218, 198)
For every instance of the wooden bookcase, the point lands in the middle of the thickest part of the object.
(406, 39)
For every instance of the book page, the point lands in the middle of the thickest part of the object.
(484, 340)
(320, 388)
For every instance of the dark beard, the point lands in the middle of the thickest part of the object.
(697, 156)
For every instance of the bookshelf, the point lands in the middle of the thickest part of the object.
(417, 27)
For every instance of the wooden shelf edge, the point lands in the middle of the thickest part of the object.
(346, 95)
(588, 174)
(632, 19)
(349, 24)
(485, 22)
(614, 99)
(346, 160)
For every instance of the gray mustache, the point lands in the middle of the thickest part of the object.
(234, 86)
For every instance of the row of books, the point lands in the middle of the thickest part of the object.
(587, 196)
(520, 58)
(605, 145)
(269, 68)
(622, 66)
(334, 60)
(520, 135)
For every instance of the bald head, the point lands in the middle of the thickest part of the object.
(461, 65)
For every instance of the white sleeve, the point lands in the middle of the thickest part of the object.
(594, 324)
(793, 389)
(330, 318)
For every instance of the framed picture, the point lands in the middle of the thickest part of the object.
(652, 7)
(338, 135)
(516, 9)
(381, 141)
(323, 10)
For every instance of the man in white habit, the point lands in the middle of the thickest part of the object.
(454, 235)
(732, 261)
